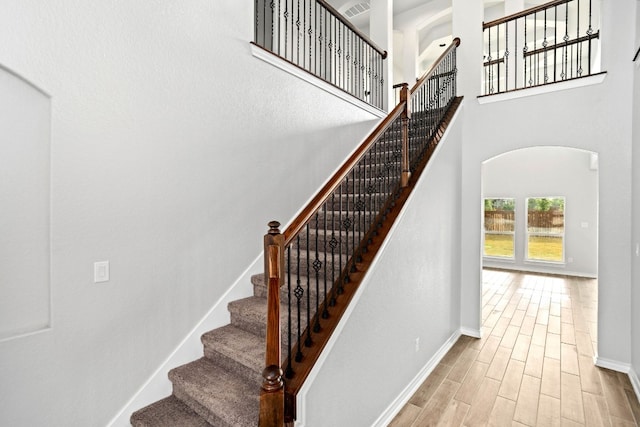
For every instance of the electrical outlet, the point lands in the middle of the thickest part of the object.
(417, 344)
(100, 271)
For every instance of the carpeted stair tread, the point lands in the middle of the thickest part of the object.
(250, 314)
(219, 396)
(236, 350)
(168, 412)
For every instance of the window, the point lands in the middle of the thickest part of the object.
(545, 229)
(499, 228)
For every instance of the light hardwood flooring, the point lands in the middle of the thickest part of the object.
(533, 365)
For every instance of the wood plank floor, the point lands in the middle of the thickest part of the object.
(533, 365)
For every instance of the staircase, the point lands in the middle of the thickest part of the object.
(222, 388)
(319, 262)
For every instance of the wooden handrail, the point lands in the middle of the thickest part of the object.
(277, 401)
(454, 44)
(316, 203)
(525, 12)
(353, 28)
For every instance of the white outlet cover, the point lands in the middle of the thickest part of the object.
(101, 271)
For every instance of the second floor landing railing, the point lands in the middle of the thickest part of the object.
(312, 268)
(550, 43)
(313, 36)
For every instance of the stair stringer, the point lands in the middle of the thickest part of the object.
(358, 307)
(158, 385)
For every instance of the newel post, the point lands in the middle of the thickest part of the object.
(406, 115)
(272, 393)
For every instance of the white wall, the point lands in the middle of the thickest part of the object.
(549, 172)
(411, 291)
(635, 285)
(594, 118)
(171, 149)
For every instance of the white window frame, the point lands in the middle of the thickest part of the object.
(512, 233)
(561, 235)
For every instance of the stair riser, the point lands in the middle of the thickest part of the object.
(232, 365)
(211, 417)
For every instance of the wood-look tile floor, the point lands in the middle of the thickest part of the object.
(533, 365)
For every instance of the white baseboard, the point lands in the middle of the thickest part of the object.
(635, 382)
(387, 416)
(614, 365)
(158, 385)
(473, 333)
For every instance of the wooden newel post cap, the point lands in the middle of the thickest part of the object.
(272, 378)
(273, 227)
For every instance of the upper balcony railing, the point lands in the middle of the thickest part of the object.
(313, 36)
(550, 43)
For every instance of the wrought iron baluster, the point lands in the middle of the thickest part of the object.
(333, 243)
(317, 266)
(299, 293)
(555, 42)
(298, 34)
(498, 53)
(325, 310)
(544, 45)
(579, 45)
(565, 66)
(289, 370)
(308, 341)
(515, 63)
(589, 33)
(310, 32)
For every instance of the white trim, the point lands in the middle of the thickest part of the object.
(614, 365)
(387, 416)
(473, 333)
(538, 90)
(294, 70)
(530, 267)
(158, 385)
(635, 382)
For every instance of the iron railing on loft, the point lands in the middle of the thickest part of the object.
(313, 36)
(550, 43)
(314, 265)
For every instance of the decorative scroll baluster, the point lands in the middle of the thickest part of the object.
(540, 46)
(314, 36)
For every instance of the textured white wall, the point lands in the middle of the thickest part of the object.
(549, 171)
(171, 149)
(594, 118)
(412, 291)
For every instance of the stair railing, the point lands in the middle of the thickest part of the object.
(315, 37)
(550, 43)
(315, 265)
